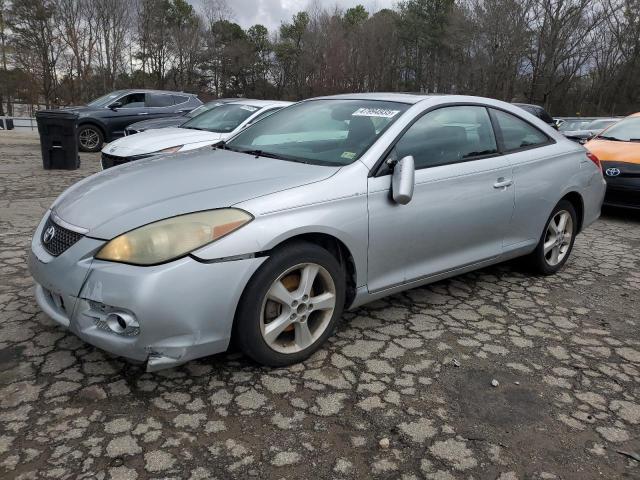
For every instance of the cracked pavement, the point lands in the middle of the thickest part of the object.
(402, 390)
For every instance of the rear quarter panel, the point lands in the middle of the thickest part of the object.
(542, 177)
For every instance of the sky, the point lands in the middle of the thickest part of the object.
(271, 13)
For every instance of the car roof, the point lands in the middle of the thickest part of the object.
(261, 103)
(147, 90)
(410, 98)
(635, 114)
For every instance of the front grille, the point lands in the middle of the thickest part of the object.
(59, 239)
(109, 161)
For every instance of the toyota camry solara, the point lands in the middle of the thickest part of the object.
(325, 205)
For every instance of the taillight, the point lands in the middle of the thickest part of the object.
(595, 160)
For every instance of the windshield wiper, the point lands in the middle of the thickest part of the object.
(260, 153)
(193, 128)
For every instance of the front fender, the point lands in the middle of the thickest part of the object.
(344, 219)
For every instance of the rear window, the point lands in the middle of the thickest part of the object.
(159, 100)
(518, 134)
(180, 99)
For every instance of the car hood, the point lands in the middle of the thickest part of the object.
(83, 110)
(120, 199)
(578, 133)
(159, 123)
(159, 139)
(612, 151)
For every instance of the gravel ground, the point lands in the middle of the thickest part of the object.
(403, 390)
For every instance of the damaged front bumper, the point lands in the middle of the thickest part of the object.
(163, 315)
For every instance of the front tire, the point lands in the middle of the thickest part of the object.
(90, 138)
(291, 305)
(556, 241)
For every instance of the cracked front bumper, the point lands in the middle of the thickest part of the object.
(184, 308)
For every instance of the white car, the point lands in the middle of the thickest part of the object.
(209, 128)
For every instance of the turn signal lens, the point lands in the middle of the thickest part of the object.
(174, 237)
(170, 149)
(595, 160)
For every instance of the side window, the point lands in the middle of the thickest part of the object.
(448, 135)
(516, 133)
(133, 100)
(261, 115)
(178, 99)
(159, 100)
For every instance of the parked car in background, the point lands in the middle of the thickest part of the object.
(209, 128)
(175, 121)
(573, 123)
(618, 147)
(586, 131)
(538, 111)
(327, 204)
(105, 118)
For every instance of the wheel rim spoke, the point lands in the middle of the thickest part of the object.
(309, 273)
(303, 336)
(562, 222)
(549, 245)
(279, 293)
(273, 329)
(325, 301)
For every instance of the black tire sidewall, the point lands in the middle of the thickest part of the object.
(539, 260)
(246, 332)
(95, 129)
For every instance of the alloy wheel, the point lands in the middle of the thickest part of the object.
(558, 236)
(89, 138)
(297, 308)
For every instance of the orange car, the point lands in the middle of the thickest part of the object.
(618, 148)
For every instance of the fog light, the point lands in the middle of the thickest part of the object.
(119, 322)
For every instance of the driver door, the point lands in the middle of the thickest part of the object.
(132, 110)
(462, 203)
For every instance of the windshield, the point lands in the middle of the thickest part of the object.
(201, 109)
(600, 124)
(223, 119)
(105, 100)
(321, 132)
(625, 130)
(569, 125)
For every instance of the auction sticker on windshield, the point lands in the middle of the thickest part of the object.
(247, 107)
(375, 112)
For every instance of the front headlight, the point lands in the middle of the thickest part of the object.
(174, 237)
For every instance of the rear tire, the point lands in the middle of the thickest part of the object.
(556, 241)
(291, 305)
(90, 138)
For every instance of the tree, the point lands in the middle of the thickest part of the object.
(36, 43)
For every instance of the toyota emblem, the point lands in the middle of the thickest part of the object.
(49, 233)
(612, 172)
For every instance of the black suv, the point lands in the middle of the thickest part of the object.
(105, 118)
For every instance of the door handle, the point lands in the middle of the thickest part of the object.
(143, 113)
(503, 183)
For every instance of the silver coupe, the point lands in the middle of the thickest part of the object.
(325, 205)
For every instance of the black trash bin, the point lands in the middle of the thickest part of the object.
(6, 123)
(58, 139)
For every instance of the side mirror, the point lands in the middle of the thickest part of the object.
(115, 105)
(403, 180)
